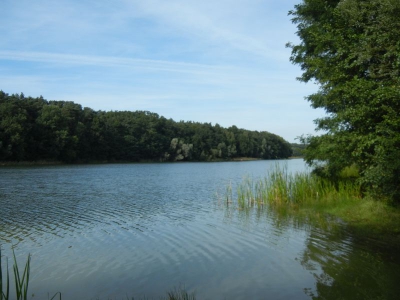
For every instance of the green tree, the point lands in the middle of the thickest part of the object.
(351, 49)
(36, 129)
(54, 132)
(13, 126)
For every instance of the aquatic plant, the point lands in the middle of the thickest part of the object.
(4, 291)
(279, 187)
(306, 195)
(21, 282)
(180, 294)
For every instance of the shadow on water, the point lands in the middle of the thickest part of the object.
(344, 265)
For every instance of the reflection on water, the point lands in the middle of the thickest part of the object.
(343, 266)
(345, 269)
(142, 229)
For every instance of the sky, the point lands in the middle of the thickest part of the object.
(205, 61)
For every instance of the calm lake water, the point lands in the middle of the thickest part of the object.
(111, 231)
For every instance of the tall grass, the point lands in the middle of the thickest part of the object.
(180, 294)
(310, 195)
(281, 188)
(21, 281)
(4, 291)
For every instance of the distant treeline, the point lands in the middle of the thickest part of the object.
(34, 129)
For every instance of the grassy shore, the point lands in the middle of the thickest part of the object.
(305, 193)
(370, 218)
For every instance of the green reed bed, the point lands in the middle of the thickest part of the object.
(280, 187)
(308, 194)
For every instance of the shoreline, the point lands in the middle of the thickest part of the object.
(60, 163)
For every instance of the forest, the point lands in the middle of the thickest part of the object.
(351, 50)
(35, 129)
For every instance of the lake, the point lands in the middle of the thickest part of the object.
(117, 230)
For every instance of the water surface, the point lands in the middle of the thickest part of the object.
(107, 231)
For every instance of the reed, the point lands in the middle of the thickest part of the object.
(280, 187)
(4, 291)
(308, 196)
(180, 294)
(21, 281)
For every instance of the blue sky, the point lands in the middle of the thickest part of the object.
(219, 61)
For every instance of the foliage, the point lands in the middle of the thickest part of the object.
(297, 149)
(34, 129)
(351, 49)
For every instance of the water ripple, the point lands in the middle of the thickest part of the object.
(109, 230)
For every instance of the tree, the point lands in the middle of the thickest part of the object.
(13, 125)
(34, 129)
(351, 49)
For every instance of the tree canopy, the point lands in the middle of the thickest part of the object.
(351, 49)
(33, 129)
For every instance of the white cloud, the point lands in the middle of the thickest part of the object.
(107, 61)
(234, 25)
(208, 61)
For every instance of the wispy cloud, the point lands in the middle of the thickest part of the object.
(203, 73)
(209, 61)
(108, 61)
(234, 25)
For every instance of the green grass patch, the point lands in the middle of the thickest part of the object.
(369, 217)
(308, 195)
(280, 187)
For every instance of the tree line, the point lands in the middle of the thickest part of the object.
(34, 129)
(351, 49)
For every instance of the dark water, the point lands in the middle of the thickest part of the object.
(108, 231)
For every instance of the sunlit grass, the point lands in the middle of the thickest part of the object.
(280, 187)
(370, 217)
(306, 194)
